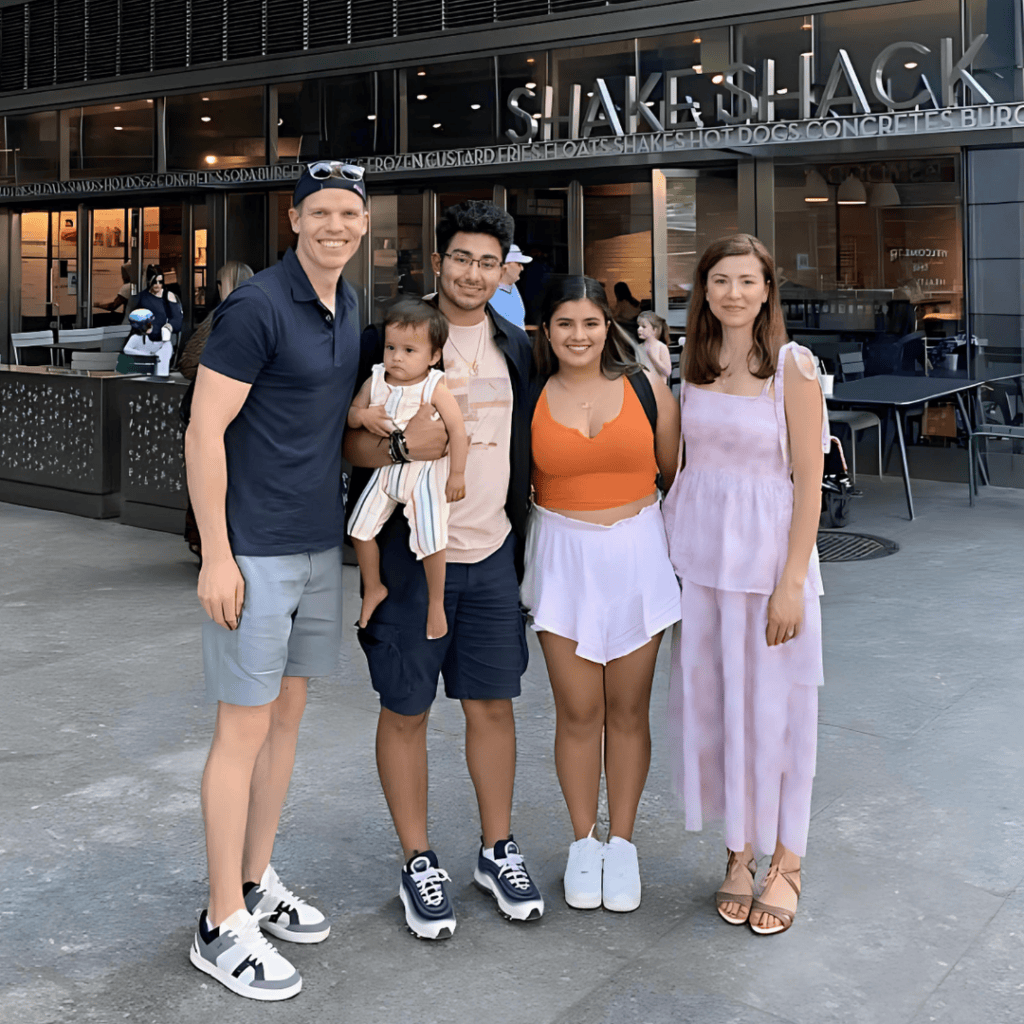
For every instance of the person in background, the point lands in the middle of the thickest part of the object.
(229, 277)
(626, 307)
(654, 337)
(599, 585)
(163, 304)
(507, 301)
(742, 520)
(142, 343)
(124, 293)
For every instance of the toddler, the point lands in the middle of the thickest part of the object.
(652, 331)
(414, 336)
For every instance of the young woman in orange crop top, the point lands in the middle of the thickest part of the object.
(598, 584)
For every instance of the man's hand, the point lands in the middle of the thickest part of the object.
(455, 489)
(375, 420)
(425, 435)
(221, 591)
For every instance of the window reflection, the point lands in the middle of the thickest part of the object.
(542, 232)
(211, 130)
(704, 52)
(116, 138)
(617, 244)
(358, 116)
(451, 105)
(298, 121)
(397, 249)
(31, 141)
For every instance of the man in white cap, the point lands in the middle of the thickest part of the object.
(506, 300)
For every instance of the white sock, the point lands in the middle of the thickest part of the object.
(489, 852)
(618, 841)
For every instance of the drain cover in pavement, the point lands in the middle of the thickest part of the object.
(840, 546)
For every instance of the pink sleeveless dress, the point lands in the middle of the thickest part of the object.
(742, 715)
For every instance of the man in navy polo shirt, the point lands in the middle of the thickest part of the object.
(263, 452)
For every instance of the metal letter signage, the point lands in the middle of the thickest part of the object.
(878, 86)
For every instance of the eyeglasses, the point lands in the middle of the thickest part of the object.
(324, 169)
(462, 260)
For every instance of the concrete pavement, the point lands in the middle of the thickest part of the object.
(913, 909)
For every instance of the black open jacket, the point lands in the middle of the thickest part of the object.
(515, 346)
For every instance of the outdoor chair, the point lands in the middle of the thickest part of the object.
(31, 339)
(851, 366)
(94, 360)
(998, 431)
(114, 337)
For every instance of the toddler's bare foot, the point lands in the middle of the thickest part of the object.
(437, 623)
(372, 596)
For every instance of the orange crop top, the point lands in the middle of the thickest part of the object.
(586, 474)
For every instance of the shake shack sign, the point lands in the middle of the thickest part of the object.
(844, 93)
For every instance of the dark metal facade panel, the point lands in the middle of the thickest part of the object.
(152, 443)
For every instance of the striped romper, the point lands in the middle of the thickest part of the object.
(419, 486)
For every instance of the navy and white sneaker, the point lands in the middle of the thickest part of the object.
(428, 910)
(281, 913)
(241, 959)
(502, 873)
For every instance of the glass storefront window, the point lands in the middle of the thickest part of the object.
(997, 66)
(397, 257)
(782, 41)
(617, 243)
(864, 32)
(284, 238)
(704, 52)
(247, 227)
(451, 106)
(527, 70)
(358, 116)
(116, 138)
(887, 265)
(35, 265)
(298, 121)
(211, 130)
(64, 262)
(581, 65)
(34, 153)
(110, 251)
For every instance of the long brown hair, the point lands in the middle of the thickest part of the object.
(619, 354)
(703, 330)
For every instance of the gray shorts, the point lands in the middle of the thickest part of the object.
(290, 626)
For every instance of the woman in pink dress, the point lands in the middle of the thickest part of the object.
(742, 522)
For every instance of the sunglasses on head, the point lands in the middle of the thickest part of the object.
(324, 169)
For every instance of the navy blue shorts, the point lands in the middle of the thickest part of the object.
(483, 655)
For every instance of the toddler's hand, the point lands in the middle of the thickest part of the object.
(455, 489)
(377, 421)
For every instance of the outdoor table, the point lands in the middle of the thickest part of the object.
(891, 391)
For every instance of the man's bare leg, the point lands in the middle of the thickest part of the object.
(491, 758)
(402, 766)
(271, 776)
(238, 737)
(374, 591)
(434, 567)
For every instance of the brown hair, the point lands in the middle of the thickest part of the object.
(658, 323)
(703, 330)
(619, 354)
(409, 310)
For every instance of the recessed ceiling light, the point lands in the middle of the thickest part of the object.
(421, 96)
(529, 60)
(782, 92)
(206, 119)
(589, 94)
(696, 39)
(531, 85)
(371, 117)
(536, 117)
(118, 128)
(438, 125)
(421, 73)
(910, 65)
(117, 108)
(206, 99)
(211, 159)
(474, 106)
(718, 79)
(280, 121)
(149, 101)
(699, 68)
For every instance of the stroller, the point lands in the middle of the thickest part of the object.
(837, 490)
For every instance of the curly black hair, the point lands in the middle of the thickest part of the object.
(477, 217)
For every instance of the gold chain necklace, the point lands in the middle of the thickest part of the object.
(473, 366)
(587, 404)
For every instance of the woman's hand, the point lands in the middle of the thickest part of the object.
(785, 613)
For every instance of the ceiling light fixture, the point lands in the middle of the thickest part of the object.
(852, 192)
(696, 39)
(280, 121)
(884, 194)
(371, 117)
(117, 108)
(531, 85)
(781, 92)
(529, 60)
(421, 74)
(421, 96)
(718, 79)
(816, 189)
(910, 65)
(118, 128)
(205, 119)
(807, 25)
(211, 159)
(699, 68)
(206, 99)
(474, 106)
(438, 125)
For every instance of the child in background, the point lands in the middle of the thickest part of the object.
(414, 336)
(654, 342)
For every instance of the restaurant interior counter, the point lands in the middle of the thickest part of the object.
(60, 439)
(153, 491)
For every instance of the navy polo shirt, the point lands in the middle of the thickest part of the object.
(284, 447)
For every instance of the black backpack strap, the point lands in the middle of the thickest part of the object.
(642, 386)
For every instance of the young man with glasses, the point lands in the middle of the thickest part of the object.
(483, 656)
(263, 452)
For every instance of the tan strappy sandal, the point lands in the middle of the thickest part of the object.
(743, 899)
(785, 916)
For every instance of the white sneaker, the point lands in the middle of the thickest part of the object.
(621, 886)
(582, 878)
(283, 914)
(241, 959)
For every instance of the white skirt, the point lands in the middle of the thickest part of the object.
(609, 588)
